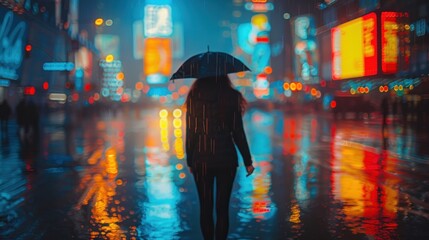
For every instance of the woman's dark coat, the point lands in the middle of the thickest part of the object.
(214, 126)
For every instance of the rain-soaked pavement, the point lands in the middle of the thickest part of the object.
(124, 176)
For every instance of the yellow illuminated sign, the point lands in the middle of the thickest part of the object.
(354, 48)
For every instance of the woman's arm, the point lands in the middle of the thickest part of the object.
(239, 136)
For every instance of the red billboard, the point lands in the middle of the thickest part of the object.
(394, 48)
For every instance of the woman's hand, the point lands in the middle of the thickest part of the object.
(249, 170)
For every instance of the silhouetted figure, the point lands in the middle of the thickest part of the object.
(21, 117)
(385, 137)
(5, 113)
(384, 110)
(395, 107)
(28, 153)
(214, 126)
(404, 109)
(420, 113)
(33, 119)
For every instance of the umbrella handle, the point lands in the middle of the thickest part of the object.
(208, 48)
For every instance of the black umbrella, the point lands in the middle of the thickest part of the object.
(209, 64)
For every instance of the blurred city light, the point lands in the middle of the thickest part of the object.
(177, 113)
(120, 76)
(110, 58)
(28, 47)
(98, 21)
(163, 113)
(30, 90)
(109, 22)
(45, 85)
(61, 97)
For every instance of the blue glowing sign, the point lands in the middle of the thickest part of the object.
(58, 66)
(79, 79)
(12, 35)
(244, 42)
(261, 57)
(306, 50)
(158, 91)
(156, 79)
(4, 83)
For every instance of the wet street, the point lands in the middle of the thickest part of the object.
(124, 176)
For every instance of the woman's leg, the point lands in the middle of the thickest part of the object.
(205, 182)
(224, 182)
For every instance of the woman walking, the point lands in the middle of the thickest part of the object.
(214, 126)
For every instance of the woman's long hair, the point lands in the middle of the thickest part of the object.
(221, 85)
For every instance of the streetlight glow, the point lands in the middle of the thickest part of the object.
(98, 21)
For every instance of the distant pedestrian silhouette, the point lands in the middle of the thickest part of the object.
(395, 108)
(214, 126)
(384, 110)
(27, 114)
(21, 117)
(5, 113)
(33, 119)
(404, 109)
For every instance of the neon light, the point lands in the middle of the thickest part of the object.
(110, 84)
(262, 39)
(29, 90)
(156, 79)
(259, 7)
(11, 47)
(57, 97)
(58, 66)
(157, 56)
(305, 49)
(98, 21)
(4, 83)
(389, 42)
(393, 43)
(354, 48)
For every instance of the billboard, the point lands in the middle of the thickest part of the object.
(395, 50)
(13, 33)
(158, 21)
(157, 57)
(138, 39)
(306, 49)
(354, 48)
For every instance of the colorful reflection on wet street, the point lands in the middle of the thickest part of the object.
(124, 176)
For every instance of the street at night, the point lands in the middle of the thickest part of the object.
(214, 119)
(122, 177)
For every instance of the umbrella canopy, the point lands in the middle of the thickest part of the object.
(209, 64)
